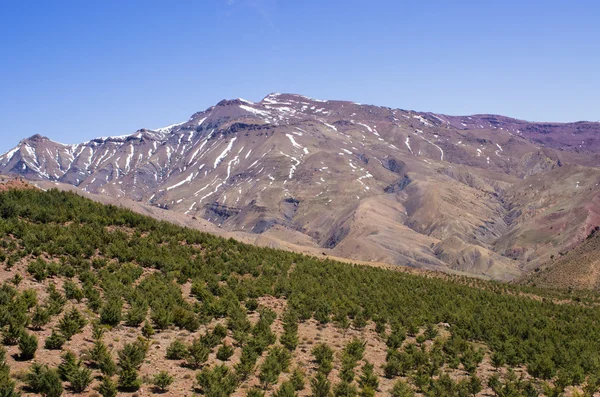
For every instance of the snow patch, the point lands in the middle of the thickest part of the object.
(255, 111)
(161, 130)
(186, 180)
(407, 143)
(225, 152)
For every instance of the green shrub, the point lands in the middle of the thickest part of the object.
(185, 319)
(136, 314)
(225, 352)
(28, 344)
(7, 385)
(345, 389)
(220, 331)
(320, 385)
(255, 392)
(162, 380)
(289, 338)
(107, 387)
(39, 317)
(162, 317)
(347, 369)
(177, 350)
(129, 379)
(395, 339)
(53, 269)
(94, 302)
(402, 389)
(197, 353)
(474, 385)
(44, 381)
(80, 379)
(68, 365)
(276, 362)
(106, 364)
(28, 298)
(431, 332)
(217, 381)
(72, 291)
(38, 269)
(56, 301)
(323, 357)
(110, 313)
(71, 323)
(355, 349)
(55, 341)
(542, 367)
(12, 334)
(359, 321)
(147, 330)
(285, 390)
(132, 355)
(17, 279)
(368, 379)
(297, 379)
(251, 305)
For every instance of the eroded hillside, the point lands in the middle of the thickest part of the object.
(484, 195)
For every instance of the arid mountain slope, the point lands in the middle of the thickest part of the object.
(578, 268)
(478, 194)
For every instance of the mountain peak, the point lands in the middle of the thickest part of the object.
(230, 102)
(37, 138)
(277, 96)
(328, 174)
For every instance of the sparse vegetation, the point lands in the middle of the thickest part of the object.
(91, 264)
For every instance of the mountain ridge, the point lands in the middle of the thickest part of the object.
(366, 182)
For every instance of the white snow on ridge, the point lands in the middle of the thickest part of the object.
(296, 145)
(30, 150)
(330, 126)
(255, 111)
(211, 193)
(407, 143)
(422, 120)
(127, 160)
(312, 99)
(235, 162)
(224, 153)
(293, 167)
(114, 138)
(366, 126)
(186, 180)
(166, 129)
(200, 148)
(8, 155)
(439, 148)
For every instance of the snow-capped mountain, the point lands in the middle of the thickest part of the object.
(364, 182)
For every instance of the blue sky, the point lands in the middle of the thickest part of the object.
(74, 70)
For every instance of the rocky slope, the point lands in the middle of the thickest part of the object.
(578, 268)
(484, 195)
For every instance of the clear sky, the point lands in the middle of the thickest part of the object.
(74, 70)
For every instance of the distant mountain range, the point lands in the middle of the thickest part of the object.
(483, 195)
